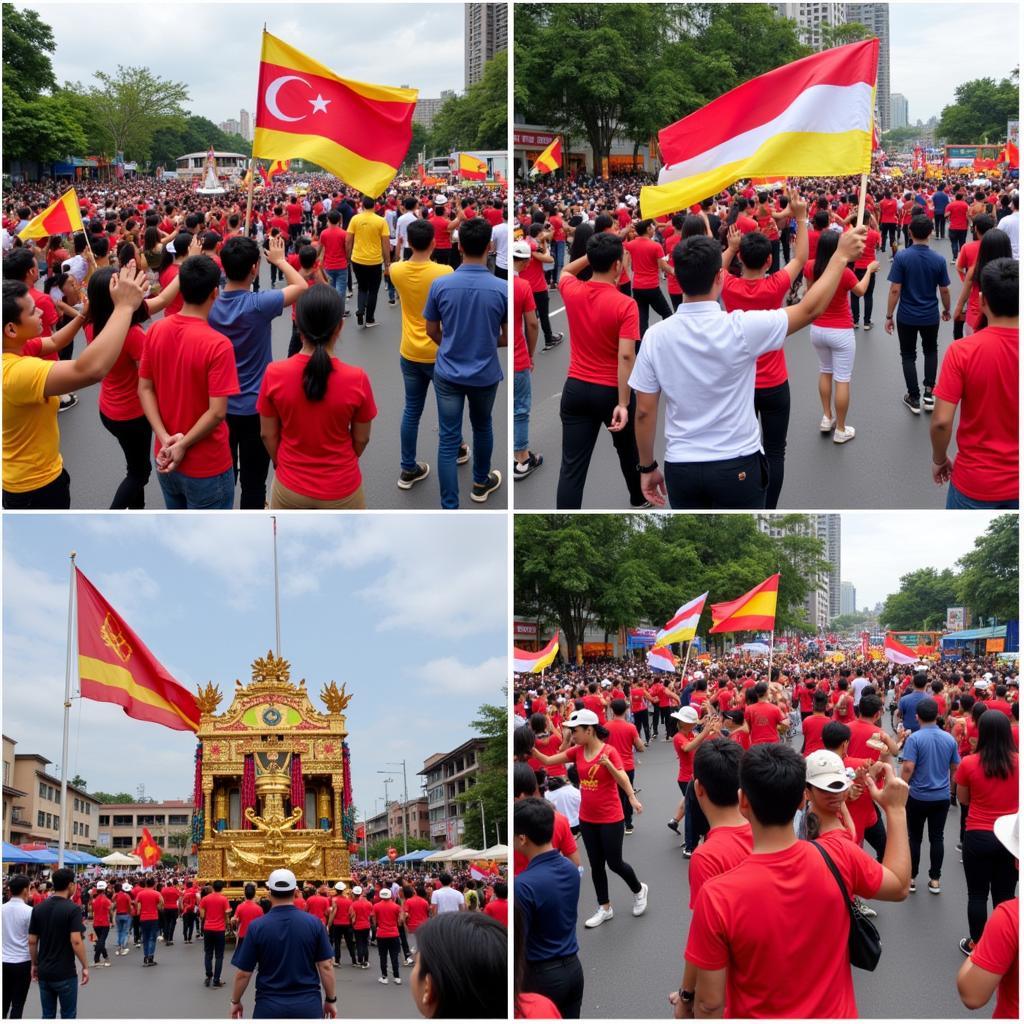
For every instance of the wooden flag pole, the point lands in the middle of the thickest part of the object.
(861, 199)
(771, 655)
(686, 661)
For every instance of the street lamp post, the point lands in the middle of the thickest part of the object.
(387, 803)
(483, 825)
(405, 807)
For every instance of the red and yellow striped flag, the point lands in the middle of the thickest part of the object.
(115, 666)
(754, 610)
(61, 217)
(471, 167)
(550, 159)
(357, 131)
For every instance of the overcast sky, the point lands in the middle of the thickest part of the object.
(880, 547)
(214, 48)
(409, 610)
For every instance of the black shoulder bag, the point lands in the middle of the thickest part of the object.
(865, 943)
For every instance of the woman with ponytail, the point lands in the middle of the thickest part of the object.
(315, 413)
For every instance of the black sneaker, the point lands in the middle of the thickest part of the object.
(672, 823)
(408, 477)
(391, 302)
(207, 982)
(687, 854)
(556, 340)
(913, 404)
(218, 984)
(359, 318)
(481, 491)
(463, 457)
(966, 946)
(643, 504)
(67, 402)
(928, 401)
(522, 470)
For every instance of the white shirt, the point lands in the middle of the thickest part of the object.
(858, 688)
(1011, 225)
(391, 218)
(447, 900)
(566, 800)
(16, 914)
(402, 230)
(499, 235)
(703, 360)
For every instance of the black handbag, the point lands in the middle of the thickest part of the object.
(865, 943)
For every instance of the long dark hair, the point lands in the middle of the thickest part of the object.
(317, 315)
(995, 744)
(994, 245)
(828, 242)
(101, 305)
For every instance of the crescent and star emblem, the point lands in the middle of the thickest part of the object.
(270, 98)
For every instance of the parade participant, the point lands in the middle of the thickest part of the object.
(908, 703)
(100, 907)
(1010, 224)
(339, 924)
(623, 736)
(123, 909)
(445, 899)
(957, 213)
(17, 961)
(389, 916)
(361, 914)
(291, 956)
(533, 273)
(417, 910)
(686, 743)
(150, 904)
(524, 345)
(189, 900)
(638, 697)
(812, 726)
(648, 261)
(55, 941)
(368, 250)
(213, 912)
(332, 252)
(245, 913)
(171, 896)
(497, 906)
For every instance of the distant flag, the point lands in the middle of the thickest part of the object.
(661, 659)
(683, 625)
(278, 167)
(534, 661)
(550, 160)
(472, 168)
(898, 653)
(811, 118)
(147, 850)
(61, 217)
(754, 610)
(263, 173)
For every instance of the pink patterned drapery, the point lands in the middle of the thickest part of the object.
(346, 792)
(197, 789)
(298, 790)
(248, 789)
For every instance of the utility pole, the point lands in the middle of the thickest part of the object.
(483, 825)
(405, 806)
(387, 803)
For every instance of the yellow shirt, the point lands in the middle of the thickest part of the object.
(367, 230)
(412, 282)
(30, 435)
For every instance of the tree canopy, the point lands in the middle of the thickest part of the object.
(477, 120)
(490, 785)
(980, 111)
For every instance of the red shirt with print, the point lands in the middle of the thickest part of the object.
(598, 788)
(762, 293)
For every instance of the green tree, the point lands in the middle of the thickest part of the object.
(27, 45)
(113, 798)
(79, 783)
(840, 35)
(192, 135)
(43, 129)
(100, 851)
(990, 578)
(980, 111)
(420, 144)
(921, 601)
(489, 787)
(842, 623)
(477, 120)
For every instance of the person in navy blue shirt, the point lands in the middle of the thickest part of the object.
(940, 201)
(547, 892)
(915, 275)
(908, 703)
(292, 954)
(466, 316)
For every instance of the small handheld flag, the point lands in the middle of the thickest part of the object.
(534, 661)
(754, 610)
(62, 217)
(683, 625)
(661, 659)
(550, 159)
(147, 850)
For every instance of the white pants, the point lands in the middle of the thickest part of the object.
(836, 348)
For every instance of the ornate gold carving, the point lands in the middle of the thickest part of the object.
(210, 861)
(271, 669)
(208, 697)
(334, 699)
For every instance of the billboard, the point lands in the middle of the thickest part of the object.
(956, 618)
(1013, 132)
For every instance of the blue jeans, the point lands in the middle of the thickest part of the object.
(182, 491)
(558, 251)
(66, 991)
(417, 378)
(149, 930)
(959, 500)
(392, 295)
(521, 402)
(124, 924)
(339, 282)
(451, 399)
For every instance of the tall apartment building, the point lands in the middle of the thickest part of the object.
(899, 111)
(231, 126)
(245, 123)
(427, 108)
(448, 775)
(848, 598)
(486, 33)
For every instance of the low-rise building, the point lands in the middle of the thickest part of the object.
(448, 775)
(119, 826)
(32, 810)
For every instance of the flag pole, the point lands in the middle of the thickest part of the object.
(252, 180)
(686, 661)
(277, 594)
(67, 713)
(771, 655)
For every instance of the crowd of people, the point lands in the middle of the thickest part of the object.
(457, 960)
(164, 288)
(771, 764)
(744, 270)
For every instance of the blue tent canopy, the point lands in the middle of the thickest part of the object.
(414, 857)
(14, 855)
(80, 857)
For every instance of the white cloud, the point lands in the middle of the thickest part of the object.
(450, 675)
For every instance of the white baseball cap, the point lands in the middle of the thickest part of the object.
(340, 886)
(126, 887)
(521, 250)
(440, 200)
(687, 714)
(385, 894)
(825, 770)
(101, 885)
(281, 880)
(582, 716)
(357, 890)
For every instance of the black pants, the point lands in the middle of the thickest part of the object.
(671, 724)
(170, 922)
(934, 813)
(890, 233)
(362, 945)
(957, 239)
(135, 437)
(875, 835)
(213, 953)
(295, 342)
(501, 272)
(17, 981)
(249, 459)
(604, 850)
(784, 240)
(659, 717)
(776, 245)
(442, 256)
(642, 723)
(340, 932)
(772, 405)
(99, 949)
(136, 930)
(584, 409)
(907, 334)
(543, 305)
(648, 299)
(368, 277)
(55, 494)
(988, 866)
(188, 924)
(388, 948)
(404, 939)
(627, 807)
(940, 225)
(869, 298)
(728, 483)
(560, 980)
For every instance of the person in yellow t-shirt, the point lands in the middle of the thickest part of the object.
(34, 476)
(368, 247)
(416, 354)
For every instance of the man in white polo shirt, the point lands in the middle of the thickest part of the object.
(446, 900)
(704, 360)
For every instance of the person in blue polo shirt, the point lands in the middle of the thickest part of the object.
(547, 892)
(466, 316)
(293, 956)
(908, 703)
(939, 202)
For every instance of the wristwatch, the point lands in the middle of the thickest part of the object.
(648, 469)
(333, 999)
(687, 997)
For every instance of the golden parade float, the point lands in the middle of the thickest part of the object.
(272, 785)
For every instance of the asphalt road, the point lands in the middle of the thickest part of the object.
(94, 459)
(631, 964)
(887, 465)
(174, 988)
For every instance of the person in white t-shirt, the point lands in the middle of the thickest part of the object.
(17, 961)
(704, 360)
(446, 900)
(858, 687)
(1011, 225)
(499, 243)
(566, 799)
(402, 248)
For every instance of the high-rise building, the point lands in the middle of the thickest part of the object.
(231, 126)
(427, 108)
(899, 111)
(486, 34)
(848, 599)
(811, 18)
(245, 121)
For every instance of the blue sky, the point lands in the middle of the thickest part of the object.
(409, 610)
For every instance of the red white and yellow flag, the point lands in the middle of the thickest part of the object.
(357, 131)
(754, 610)
(115, 666)
(535, 661)
(550, 159)
(472, 168)
(61, 217)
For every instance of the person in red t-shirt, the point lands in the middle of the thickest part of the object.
(417, 909)
(189, 902)
(537, 237)
(360, 915)
(980, 374)
(872, 242)
(686, 743)
(389, 917)
(171, 896)
(245, 913)
(623, 736)
(814, 724)
(150, 903)
(525, 328)
(888, 220)
(766, 721)
(213, 911)
(124, 907)
(648, 259)
(101, 907)
(498, 906)
(331, 251)
(339, 923)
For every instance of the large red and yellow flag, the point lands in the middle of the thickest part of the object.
(472, 167)
(550, 159)
(811, 118)
(754, 610)
(147, 850)
(357, 131)
(61, 217)
(115, 666)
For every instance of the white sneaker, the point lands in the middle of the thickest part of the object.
(409, 961)
(640, 900)
(383, 981)
(826, 424)
(398, 981)
(842, 436)
(600, 917)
